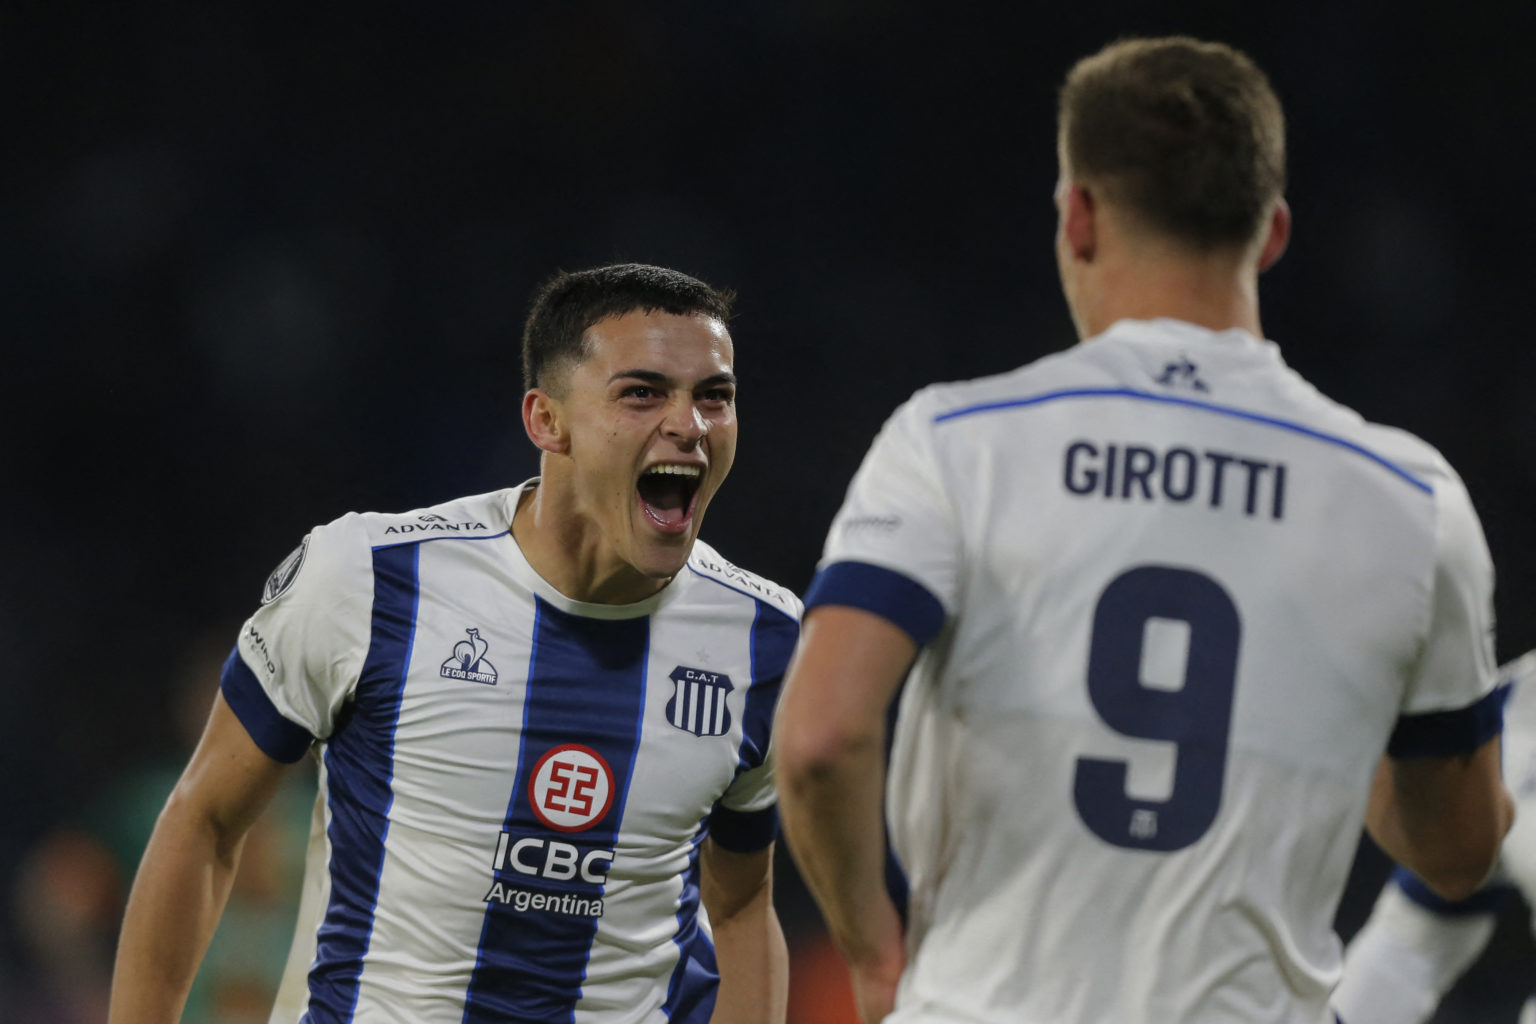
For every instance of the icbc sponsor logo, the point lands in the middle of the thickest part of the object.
(571, 788)
(551, 859)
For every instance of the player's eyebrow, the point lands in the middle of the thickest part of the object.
(659, 378)
(649, 376)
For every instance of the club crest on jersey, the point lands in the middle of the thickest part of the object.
(571, 788)
(468, 661)
(698, 701)
(286, 572)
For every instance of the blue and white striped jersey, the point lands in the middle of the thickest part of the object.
(1175, 605)
(514, 786)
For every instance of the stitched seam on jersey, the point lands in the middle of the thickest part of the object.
(1224, 410)
(428, 540)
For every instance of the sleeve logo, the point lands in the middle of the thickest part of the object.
(468, 661)
(698, 701)
(286, 572)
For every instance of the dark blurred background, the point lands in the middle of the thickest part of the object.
(263, 264)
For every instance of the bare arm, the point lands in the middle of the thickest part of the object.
(829, 745)
(1442, 818)
(184, 878)
(749, 944)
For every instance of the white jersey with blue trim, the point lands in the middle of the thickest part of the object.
(1416, 945)
(1173, 604)
(514, 786)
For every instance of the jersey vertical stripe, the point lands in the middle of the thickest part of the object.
(691, 992)
(531, 964)
(772, 642)
(359, 766)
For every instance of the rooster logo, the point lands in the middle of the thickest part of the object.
(1182, 374)
(468, 660)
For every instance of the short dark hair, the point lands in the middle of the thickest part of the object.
(1187, 134)
(566, 305)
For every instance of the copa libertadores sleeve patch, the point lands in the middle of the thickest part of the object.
(286, 572)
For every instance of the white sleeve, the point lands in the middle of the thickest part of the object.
(894, 547)
(1401, 964)
(1450, 706)
(746, 815)
(299, 656)
(774, 643)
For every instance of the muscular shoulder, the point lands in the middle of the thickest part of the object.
(477, 515)
(329, 562)
(335, 558)
(708, 563)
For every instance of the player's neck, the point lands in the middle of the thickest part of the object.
(1218, 292)
(566, 549)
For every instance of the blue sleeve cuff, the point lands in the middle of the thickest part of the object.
(743, 831)
(895, 597)
(1488, 900)
(1449, 733)
(278, 738)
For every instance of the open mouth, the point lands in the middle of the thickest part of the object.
(667, 495)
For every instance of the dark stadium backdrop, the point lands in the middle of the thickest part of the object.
(263, 264)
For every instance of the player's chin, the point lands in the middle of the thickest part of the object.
(662, 559)
(659, 552)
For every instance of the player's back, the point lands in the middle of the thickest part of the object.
(1191, 603)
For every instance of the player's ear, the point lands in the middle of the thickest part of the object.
(544, 420)
(1279, 235)
(1078, 227)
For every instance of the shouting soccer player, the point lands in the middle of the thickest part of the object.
(1169, 608)
(541, 716)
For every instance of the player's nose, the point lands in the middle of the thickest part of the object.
(684, 424)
